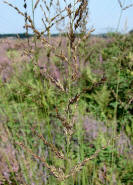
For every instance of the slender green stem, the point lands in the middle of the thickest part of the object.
(33, 16)
(115, 112)
(120, 16)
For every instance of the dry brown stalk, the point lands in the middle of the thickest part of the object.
(53, 148)
(57, 172)
(67, 126)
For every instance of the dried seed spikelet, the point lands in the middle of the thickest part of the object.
(51, 3)
(44, 24)
(129, 6)
(28, 53)
(25, 16)
(69, 12)
(120, 3)
(53, 148)
(75, 65)
(53, 18)
(126, 7)
(62, 57)
(38, 34)
(129, 102)
(72, 101)
(46, 5)
(48, 27)
(76, 13)
(84, 38)
(88, 34)
(58, 173)
(9, 4)
(21, 13)
(25, 6)
(46, 18)
(67, 126)
(80, 11)
(34, 155)
(36, 4)
(80, 165)
(56, 82)
(62, 18)
(71, 36)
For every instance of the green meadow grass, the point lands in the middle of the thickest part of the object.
(27, 101)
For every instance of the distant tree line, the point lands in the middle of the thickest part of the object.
(14, 35)
(23, 35)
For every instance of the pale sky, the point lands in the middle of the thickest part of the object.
(103, 16)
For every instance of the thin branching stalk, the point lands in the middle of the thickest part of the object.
(123, 7)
